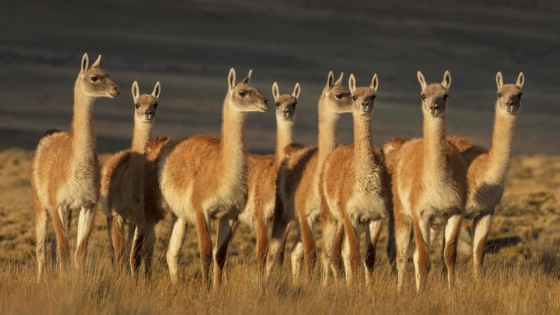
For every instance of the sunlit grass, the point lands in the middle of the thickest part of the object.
(521, 278)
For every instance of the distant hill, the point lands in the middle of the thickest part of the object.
(189, 47)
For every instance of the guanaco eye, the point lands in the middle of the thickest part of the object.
(354, 97)
(338, 96)
(423, 96)
(500, 94)
(94, 79)
(137, 105)
(277, 104)
(445, 96)
(242, 93)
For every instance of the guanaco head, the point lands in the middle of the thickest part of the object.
(363, 96)
(337, 98)
(286, 103)
(434, 95)
(243, 96)
(509, 95)
(145, 104)
(94, 81)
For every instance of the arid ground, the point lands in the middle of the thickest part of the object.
(522, 267)
(189, 46)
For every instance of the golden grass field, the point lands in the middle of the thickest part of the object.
(190, 45)
(522, 270)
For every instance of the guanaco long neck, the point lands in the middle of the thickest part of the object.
(327, 132)
(284, 137)
(233, 149)
(83, 130)
(141, 134)
(364, 160)
(501, 147)
(434, 145)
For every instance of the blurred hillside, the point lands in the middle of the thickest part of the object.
(189, 47)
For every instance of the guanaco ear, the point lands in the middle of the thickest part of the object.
(248, 78)
(296, 91)
(135, 91)
(499, 80)
(330, 81)
(352, 84)
(85, 63)
(275, 91)
(339, 81)
(374, 83)
(157, 90)
(520, 80)
(96, 63)
(231, 79)
(446, 80)
(421, 80)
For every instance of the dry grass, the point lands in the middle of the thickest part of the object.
(521, 277)
(531, 287)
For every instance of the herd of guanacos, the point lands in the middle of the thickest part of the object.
(419, 186)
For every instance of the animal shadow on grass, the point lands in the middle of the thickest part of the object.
(495, 245)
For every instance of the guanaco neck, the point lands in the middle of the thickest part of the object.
(434, 145)
(233, 149)
(141, 134)
(501, 147)
(284, 137)
(83, 130)
(364, 160)
(327, 140)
